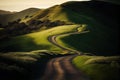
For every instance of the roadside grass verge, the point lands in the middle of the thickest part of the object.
(99, 67)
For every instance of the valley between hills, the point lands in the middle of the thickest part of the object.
(76, 40)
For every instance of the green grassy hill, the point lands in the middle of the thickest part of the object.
(53, 13)
(70, 11)
(59, 12)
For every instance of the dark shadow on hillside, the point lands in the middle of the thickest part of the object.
(103, 12)
(98, 44)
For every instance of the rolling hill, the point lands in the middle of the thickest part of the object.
(98, 10)
(18, 15)
(97, 15)
(2, 12)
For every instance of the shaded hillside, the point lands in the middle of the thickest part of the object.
(104, 12)
(19, 15)
(53, 13)
(112, 1)
(2, 12)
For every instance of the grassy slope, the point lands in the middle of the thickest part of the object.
(58, 13)
(35, 41)
(99, 67)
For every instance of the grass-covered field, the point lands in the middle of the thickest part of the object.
(35, 41)
(99, 67)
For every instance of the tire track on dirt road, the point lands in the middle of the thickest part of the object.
(62, 69)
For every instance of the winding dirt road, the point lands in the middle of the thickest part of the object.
(52, 39)
(62, 69)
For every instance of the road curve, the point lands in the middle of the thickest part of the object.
(62, 69)
(52, 39)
